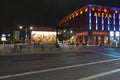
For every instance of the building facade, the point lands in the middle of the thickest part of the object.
(93, 25)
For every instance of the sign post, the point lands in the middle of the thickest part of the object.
(3, 38)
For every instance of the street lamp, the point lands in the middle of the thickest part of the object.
(20, 27)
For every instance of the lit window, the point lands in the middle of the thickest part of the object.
(117, 33)
(111, 33)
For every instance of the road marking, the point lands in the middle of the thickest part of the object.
(54, 69)
(117, 63)
(106, 54)
(101, 74)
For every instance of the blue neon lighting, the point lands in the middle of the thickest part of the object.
(108, 20)
(108, 27)
(102, 23)
(96, 26)
(114, 21)
(96, 23)
(90, 13)
(114, 16)
(89, 20)
(90, 5)
(119, 27)
(108, 24)
(102, 27)
(114, 28)
(119, 22)
(119, 16)
(90, 27)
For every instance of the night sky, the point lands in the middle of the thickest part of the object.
(41, 12)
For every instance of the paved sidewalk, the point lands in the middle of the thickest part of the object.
(63, 49)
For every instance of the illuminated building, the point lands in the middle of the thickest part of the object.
(94, 24)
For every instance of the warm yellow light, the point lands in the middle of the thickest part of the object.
(93, 8)
(73, 15)
(81, 12)
(64, 31)
(95, 14)
(72, 37)
(116, 11)
(86, 9)
(105, 10)
(76, 14)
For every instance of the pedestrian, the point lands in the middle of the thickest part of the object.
(102, 46)
(12, 47)
(20, 47)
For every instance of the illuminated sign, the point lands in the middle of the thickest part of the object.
(102, 14)
(3, 37)
(82, 33)
(100, 33)
(43, 37)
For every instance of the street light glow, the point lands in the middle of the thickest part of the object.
(20, 27)
(71, 31)
(31, 28)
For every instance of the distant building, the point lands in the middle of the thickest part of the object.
(93, 25)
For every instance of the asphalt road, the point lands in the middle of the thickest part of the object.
(84, 65)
